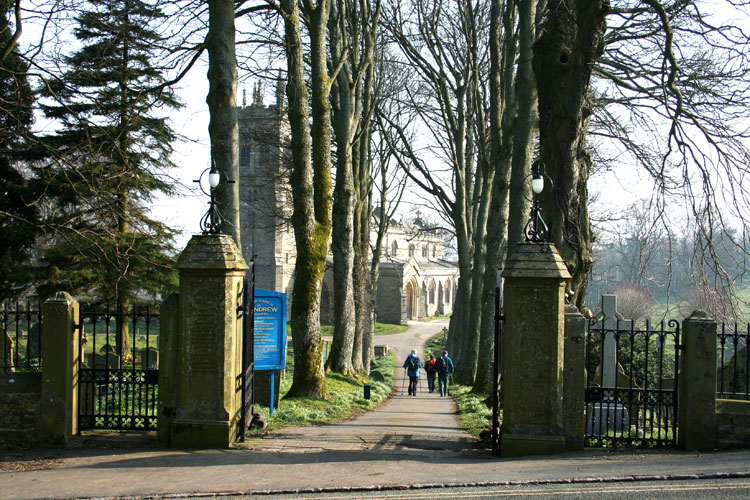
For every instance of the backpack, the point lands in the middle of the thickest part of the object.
(413, 364)
(440, 365)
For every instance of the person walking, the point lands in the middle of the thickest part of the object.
(429, 369)
(412, 365)
(444, 367)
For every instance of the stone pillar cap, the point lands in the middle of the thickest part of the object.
(536, 260)
(211, 251)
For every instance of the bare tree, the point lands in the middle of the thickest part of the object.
(676, 108)
(353, 34)
(444, 46)
(633, 301)
(311, 188)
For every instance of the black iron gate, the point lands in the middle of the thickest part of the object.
(118, 367)
(496, 371)
(248, 349)
(631, 393)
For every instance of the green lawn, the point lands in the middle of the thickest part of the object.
(347, 398)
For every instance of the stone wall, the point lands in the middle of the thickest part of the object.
(388, 301)
(732, 423)
(20, 393)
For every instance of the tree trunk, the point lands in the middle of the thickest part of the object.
(502, 114)
(311, 191)
(461, 215)
(570, 45)
(526, 125)
(470, 355)
(361, 273)
(222, 108)
(364, 299)
(342, 243)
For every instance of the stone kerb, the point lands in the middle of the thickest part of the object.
(208, 362)
(696, 424)
(533, 340)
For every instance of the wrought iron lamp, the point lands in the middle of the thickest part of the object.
(212, 221)
(536, 229)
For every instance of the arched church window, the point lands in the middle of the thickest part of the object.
(434, 251)
(424, 251)
(394, 248)
(411, 250)
(245, 153)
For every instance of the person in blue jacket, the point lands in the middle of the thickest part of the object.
(412, 365)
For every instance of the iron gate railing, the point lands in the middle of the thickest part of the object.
(20, 336)
(733, 363)
(118, 367)
(631, 393)
(248, 349)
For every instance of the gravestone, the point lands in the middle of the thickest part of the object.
(607, 416)
(376, 376)
(381, 350)
(107, 361)
(33, 344)
(150, 358)
(108, 349)
(6, 351)
(611, 320)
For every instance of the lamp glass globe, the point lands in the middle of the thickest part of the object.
(214, 178)
(537, 183)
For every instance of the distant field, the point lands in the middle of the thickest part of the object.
(673, 308)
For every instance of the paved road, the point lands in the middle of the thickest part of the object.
(707, 489)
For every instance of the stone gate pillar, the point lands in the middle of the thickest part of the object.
(696, 419)
(208, 364)
(534, 303)
(58, 407)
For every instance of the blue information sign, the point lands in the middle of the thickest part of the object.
(270, 330)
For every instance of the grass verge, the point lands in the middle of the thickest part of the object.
(347, 399)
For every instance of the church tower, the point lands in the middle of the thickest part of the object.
(265, 198)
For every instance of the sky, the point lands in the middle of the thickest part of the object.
(191, 157)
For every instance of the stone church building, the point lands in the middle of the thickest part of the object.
(415, 280)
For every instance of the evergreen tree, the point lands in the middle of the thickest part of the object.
(110, 157)
(18, 213)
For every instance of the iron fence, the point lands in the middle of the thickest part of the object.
(119, 363)
(21, 336)
(631, 393)
(733, 363)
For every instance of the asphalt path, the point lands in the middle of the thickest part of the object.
(425, 424)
